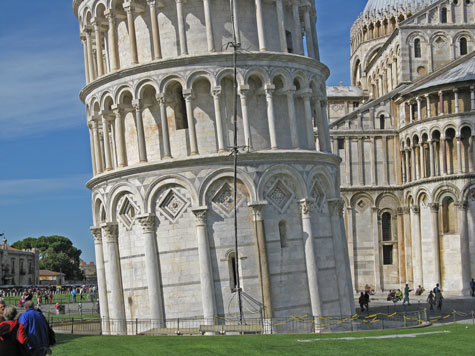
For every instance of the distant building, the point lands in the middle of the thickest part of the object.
(88, 271)
(18, 267)
(51, 278)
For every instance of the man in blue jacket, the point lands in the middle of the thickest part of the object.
(33, 330)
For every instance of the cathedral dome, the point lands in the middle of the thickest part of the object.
(375, 6)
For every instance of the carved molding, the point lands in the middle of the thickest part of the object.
(201, 215)
(258, 210)
(434, 207)
(147, 222)
(96, 234)
(336, 207)
(306, 206)
(110, 232)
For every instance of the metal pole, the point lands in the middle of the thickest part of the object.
(235, 152)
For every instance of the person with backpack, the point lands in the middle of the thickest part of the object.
(34, 331)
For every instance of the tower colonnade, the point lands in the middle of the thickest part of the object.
(109, 28)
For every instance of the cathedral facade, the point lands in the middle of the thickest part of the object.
(159, 103)
(405, 132)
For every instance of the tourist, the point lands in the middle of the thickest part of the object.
(399, 295)
(472, 286)
(430, 300)
(2, 310)
(406, 295)
(33, 330)
(439, 300)
(366, 301)
(73, 295)
(420, 290)
(436, 288)
(9, 345)
(362, 300)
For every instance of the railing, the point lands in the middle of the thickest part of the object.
(304, 324)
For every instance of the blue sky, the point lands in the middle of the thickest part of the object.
(44, 141)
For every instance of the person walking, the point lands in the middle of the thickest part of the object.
(406, 295)
(366, 301)
(430, 300)
(33, 330)
(361, 300)
(436, 289)
(9, 345)
(472, 287)
(439, 300)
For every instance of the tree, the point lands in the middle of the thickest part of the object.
(57, 254)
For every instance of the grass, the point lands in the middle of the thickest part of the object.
(460, 341)
(58, 298)
(68, 317)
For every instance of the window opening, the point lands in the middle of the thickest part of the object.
(443, 15)
(388, 254)
(288, 38)
(381, 122)
(283, 233)
(341, 144)
(417, 48)
(232, 272)
(463, 46)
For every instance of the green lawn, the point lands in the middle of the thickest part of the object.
(460, 341)
(58, 298)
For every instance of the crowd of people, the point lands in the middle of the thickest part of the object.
(24, 334)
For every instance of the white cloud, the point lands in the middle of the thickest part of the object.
(40, 80)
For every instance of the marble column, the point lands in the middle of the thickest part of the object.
(465, 234)
(206, 268)
(419, 108)
(325, 128)
(428, 105)
(351, 248)
(243, 91)
(431, 159)
(187, 94)
(120, 136)
(99, 53)
(181, 28)
(400, 246)
(373, 161)
(157, 50)
(386, 160)
(101, 279)
(422, 161)
(261, 245)
(403, 166)
(459, 155)
(292, 118)
(313, 24)
(281, 25)
(340, 247)
(90, 58)
(409, 174)
(270, 117)
(97, 147)
(349, 179)
(152, 270)
(236, 20)
(260, 26)
(297, 28)
(140, 130)
(309, 122)
(132, 35)
(361, 180)
(416, 243)
(86, 64)
(216, 93)
(107, 142)
(308, 32)
(91, 140)
(456, 99)
(434, 209)
(443, 146)
(113, 50)
(164, 126)
(441, 103)
(209, 26)
(376, 250)
(115, 297)
(306, 208)
(408, 244)
(471, 153)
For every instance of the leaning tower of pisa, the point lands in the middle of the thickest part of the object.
(159, 103)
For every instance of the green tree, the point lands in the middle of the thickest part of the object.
(57, 253)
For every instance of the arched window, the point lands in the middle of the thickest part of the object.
(283, 233)
(386, 226)
(463, 46)
(443, 15)
(417, 48)
(232, 271)
(448, 215)
(381, 122)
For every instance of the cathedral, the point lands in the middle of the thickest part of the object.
(405, 132)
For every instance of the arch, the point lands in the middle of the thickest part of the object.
(117, 192)
(437, 35)
(97, 6)
(301, 192)
(142, 86)
(171, 179)
(420, 193)
(328, 179)
(106, 96)
(97, 204)
(446, 189)
(201, 74)
(282, 73)
(301, 79)
(467, 190)
(169, 80)
(226, 173)
(361, 195)
(226, 72)
(417, 34)
(122, 92)
(382, 196)
(260, 73)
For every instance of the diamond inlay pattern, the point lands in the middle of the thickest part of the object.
(279, 196)
(173, 205)
(224, 199)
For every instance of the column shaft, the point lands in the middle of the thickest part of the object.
(441, 103)
(113, 50)
(466, 262)
(216, 92)
(459, 154)
(157, 50)
(376, 252)
(97, 148)
(86, 64)
(297, 29)
(209, 26)
(236, 22)
(443, 144)
(93, 158)
(90, 58)
(417, 248)
(281, 26)
(164, 126)
(260, 26)
(140, 132)
(385, 160)
(373, 161)
(107, 142)
(309, 124)
(408, 245)
(348, 161)
(132, 35)
(400, 245)
(191, 122)
(120, 138)
(99, 53)
(245, 118)
(456, 99)
(428, 105)
(271, 118)
(351, 248)
(431, 159)
(360, 162)
(422, 161)
(308, 33)
(435, 240)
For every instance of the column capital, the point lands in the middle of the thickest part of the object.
(462, 205)
(201, 213)
(187, 94)
(96, 234)
(147, 222)
(400, 211)
(406, 209)
(152, 3)
(110, 232)
(216, 91)
(118, 111)
(434, 207)
(440, 92)
(137, 104)
(416, 209)
(306, 206)
(161, 98)
(243, 90)
(257, 210)
(336, 206)
(427, 96)
(269, 90)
